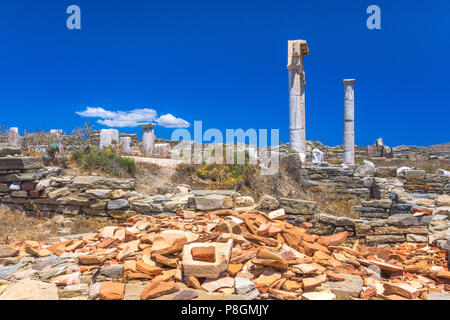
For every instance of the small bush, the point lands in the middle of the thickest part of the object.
(104, 160)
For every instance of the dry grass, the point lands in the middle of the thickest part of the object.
(17, 226)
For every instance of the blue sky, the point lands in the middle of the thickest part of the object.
(224, 62)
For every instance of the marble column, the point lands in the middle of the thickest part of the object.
(349, 121)
(148, 138)
(125, 144)
(297, 49)
(14, 136)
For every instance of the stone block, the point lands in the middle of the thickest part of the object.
(415, 174)
(19, 194)
(8, 150)
(204, 269)
(298, 206)
(385, 239)
(443, 201)
(118, 204)
(4, 187)
(344, 290)
(401, 208)
(210, 202)
(28, 175)
(21, 163)
(98, 193)
(416, 238)
(403, 220)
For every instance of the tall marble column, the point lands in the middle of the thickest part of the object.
(349, 121)
(297, 49)
(148, 138)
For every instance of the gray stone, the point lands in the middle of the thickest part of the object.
(5, 272)
(404, 220)
(229, 193)
(268, 202)
(366, 170)
(385, 239)
(438, 296)
(246, 288)
(298, 206)
(6, 252)
(210, 202)
(98, 193)
(401, 208)
(377, 204)
(416, 238)
(415, 174)
(375, 215)
(118, 204)
(56, 270)
(8, 150)
(425, 220)
(19, 194)
(344, 290)
(73, 290)
(94, 290)
(27, 289)
(186, 295)
(114, 271)
(58, 193)
(87, 182)
(146, 207)
(133, 291)
(4, 187)
(29, 175)
(442, 211)
(21, 163)
(244, 201)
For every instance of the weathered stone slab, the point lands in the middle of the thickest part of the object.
(404, 220)
(118, 204)
(415, 174)
(385, 239)
(211, 202)
(95, 182)
(29, 175)
(298, 206)
(344, 290)
(145, 207)
(8, 150)
(21, 163)
(204, 269)
(27, 289)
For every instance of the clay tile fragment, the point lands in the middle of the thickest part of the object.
(204, 253)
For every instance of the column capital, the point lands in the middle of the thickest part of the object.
(147, 125)
(349, 81)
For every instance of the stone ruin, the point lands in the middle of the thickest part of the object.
(396, 205)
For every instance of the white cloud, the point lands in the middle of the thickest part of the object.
(132, 118)
(96, 112)
(169, 121)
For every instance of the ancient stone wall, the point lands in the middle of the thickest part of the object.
(411, 205)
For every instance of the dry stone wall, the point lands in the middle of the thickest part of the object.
(409, 206)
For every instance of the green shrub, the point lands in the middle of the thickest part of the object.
(104, 160)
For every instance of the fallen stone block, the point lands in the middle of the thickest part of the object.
(210, 270)
(344, 290)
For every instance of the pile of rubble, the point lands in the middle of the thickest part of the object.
(223, 254)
